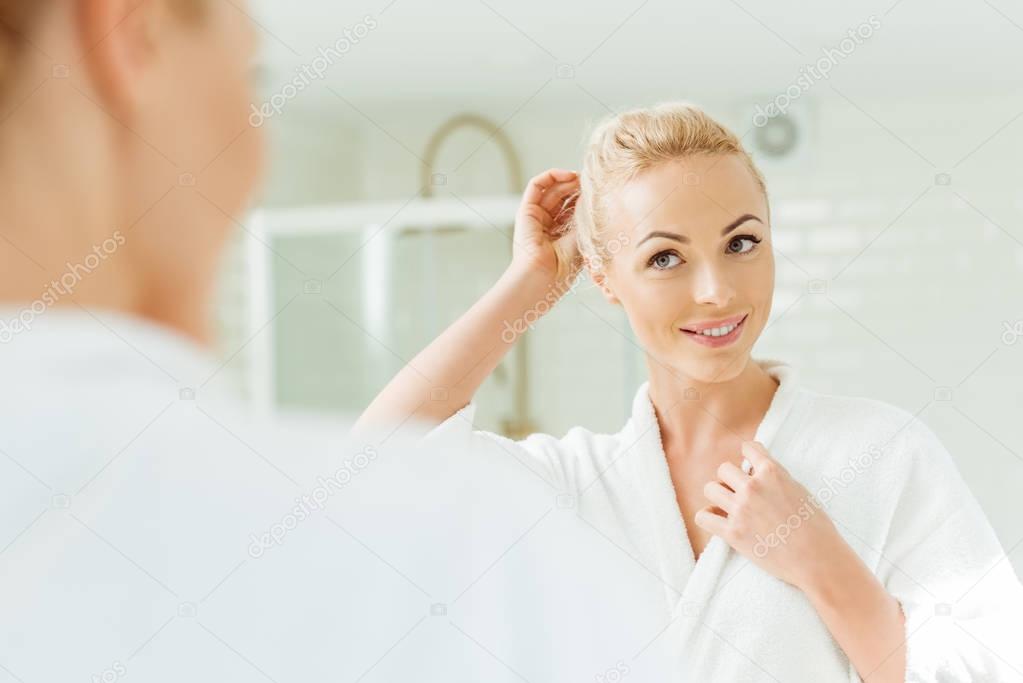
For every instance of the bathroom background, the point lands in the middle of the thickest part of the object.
(402, 133)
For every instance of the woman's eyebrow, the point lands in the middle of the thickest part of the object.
(685, 240)
(739, 221)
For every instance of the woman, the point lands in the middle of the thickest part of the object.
(671, 219)
(129, 491)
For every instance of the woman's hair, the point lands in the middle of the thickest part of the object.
(17, 18)
(625, 145)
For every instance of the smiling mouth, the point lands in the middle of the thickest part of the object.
(717, 336)
(717, 331)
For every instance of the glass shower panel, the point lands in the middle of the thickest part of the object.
(358, 305)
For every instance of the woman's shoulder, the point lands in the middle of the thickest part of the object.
(874, 425)
(868, 458)
(582, 440)
(578, 442)
(835, 418)
(856, 410)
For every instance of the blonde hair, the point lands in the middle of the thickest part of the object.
(625, 145)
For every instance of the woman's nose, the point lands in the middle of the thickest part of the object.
(713, 286)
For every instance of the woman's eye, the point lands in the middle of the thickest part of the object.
(665, 260)
(743, 244)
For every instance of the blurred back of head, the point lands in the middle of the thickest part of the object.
(126, 155)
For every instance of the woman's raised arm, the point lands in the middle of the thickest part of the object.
(445, 375)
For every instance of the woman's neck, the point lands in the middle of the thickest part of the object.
(691, 412)
(65, 242)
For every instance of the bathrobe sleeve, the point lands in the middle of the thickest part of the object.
(942, 560)
(550, 458)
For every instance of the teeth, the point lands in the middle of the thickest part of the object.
(718, 331)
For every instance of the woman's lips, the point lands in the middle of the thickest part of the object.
(723, 340)
(708, 324)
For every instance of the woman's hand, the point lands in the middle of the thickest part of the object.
(462, 358)
(771, 519)
(547, 205)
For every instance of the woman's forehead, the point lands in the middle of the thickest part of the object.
(700, 197)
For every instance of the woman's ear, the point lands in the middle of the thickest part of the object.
(599, 276)
(121, 39)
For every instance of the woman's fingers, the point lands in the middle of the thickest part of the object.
(559, 225)
(539, 184)
(708, 518)
(732, 476)
(556, 195)
(720, 495)
(540, 225)
(554, 209)
(758, 456)
(538, 214)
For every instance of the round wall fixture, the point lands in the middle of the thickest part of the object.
(777, 137)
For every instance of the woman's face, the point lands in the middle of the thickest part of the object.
(698, 255)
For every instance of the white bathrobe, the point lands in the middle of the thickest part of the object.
(152, 530)
(891, 488)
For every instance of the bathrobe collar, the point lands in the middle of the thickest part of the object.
(688, 583)
(65, 344)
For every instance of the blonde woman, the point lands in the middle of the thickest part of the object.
(892, 574)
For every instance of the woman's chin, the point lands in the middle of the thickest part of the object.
(717, 367)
